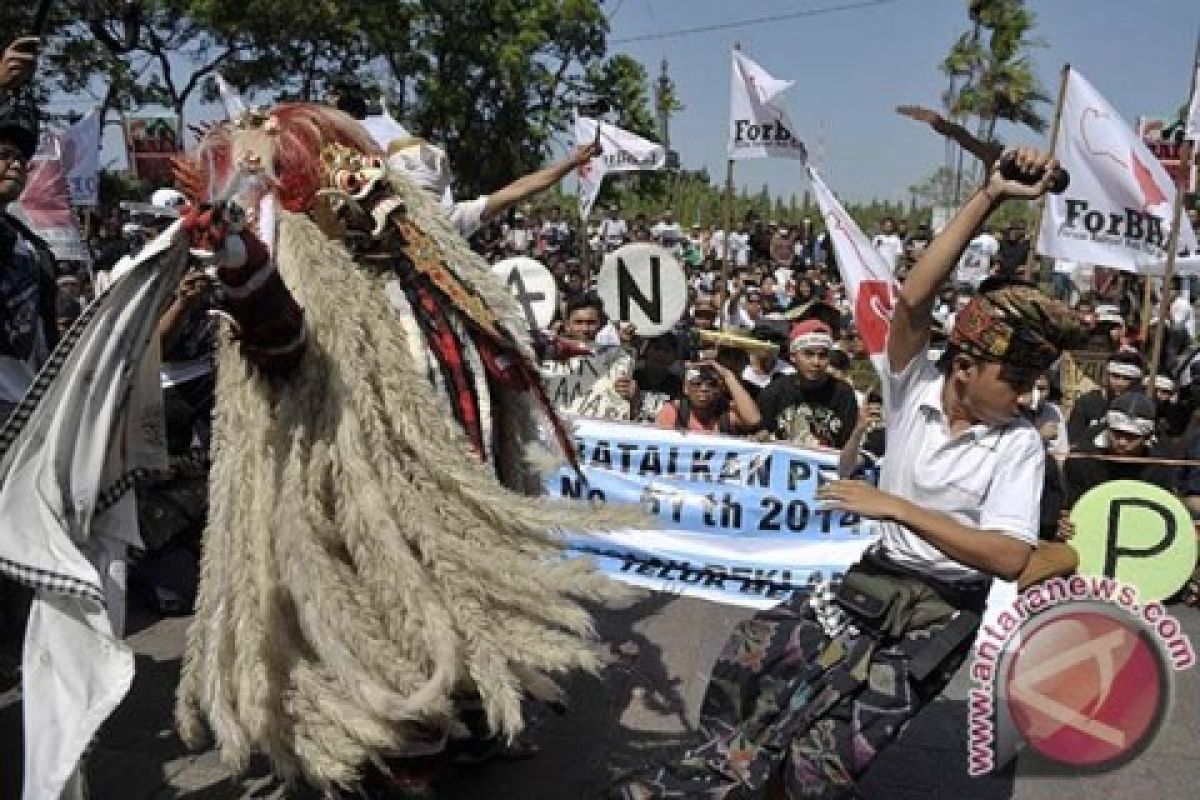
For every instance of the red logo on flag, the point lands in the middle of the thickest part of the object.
(873, 313)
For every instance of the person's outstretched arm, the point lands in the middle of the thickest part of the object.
(913, 314)
(526, 187)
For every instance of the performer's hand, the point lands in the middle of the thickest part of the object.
(19, 62)
(858, 498)
(1030, 162)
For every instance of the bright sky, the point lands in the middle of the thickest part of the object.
(853, 67)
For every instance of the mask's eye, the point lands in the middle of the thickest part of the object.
(374, 163)
(348, 181)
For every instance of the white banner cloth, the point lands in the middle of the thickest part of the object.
(1117, 210)
(758, 126)
(68, 456)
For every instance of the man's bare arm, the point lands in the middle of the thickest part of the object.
(913, 315)
(529, 185)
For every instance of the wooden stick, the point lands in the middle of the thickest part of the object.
(1041, 201)
(723, 294)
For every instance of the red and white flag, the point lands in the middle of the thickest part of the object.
(870, 285)
(1117, 210)
(45, 205)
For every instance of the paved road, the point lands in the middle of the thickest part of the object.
(663, 648)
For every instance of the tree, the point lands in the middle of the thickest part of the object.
(994, 81)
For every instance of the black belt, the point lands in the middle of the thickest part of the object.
(967, 595)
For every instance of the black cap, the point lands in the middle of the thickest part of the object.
(19, 122)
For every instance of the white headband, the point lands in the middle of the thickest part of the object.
(1123, 370)
(1163, 383)
(813, 340)
(1120, 421)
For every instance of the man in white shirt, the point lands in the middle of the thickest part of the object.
(667, 231)
(427, 165)
(889, 244)
(808, 693)
(739, 247)
(1183, 316)
(613, 229)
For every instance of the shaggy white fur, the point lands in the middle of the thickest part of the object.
(361, 568)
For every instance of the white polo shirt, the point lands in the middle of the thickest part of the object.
(988, 477)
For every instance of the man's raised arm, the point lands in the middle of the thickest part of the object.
(913, 315)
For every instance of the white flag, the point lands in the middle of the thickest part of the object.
(1117, 210)
(81, 158)
(870, 286)
(1192, 127)
(620, 151)
(758, 125)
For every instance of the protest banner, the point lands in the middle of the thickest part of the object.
(1117, 210)
(621, 151)
(739, 520)
(533, 286)
(1159, 136)
(644, 285)
(1138, 533)
(569, 383)
(153, 141)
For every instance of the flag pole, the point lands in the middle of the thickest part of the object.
(1164, 304)
(1041, 202)
(723, 295)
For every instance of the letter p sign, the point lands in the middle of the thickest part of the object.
(1137, 533)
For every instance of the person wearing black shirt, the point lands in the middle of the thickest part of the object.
(809, 408)
(1014, 251)
(1123, 372)
(658, 375)
(1127, 430)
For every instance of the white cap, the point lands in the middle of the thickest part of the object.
(169, 200)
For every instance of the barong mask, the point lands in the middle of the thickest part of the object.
(356, 197)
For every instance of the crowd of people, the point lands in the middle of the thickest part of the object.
(767, 349)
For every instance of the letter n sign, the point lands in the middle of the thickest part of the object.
(644, 285)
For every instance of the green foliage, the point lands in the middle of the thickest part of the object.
(995, 81)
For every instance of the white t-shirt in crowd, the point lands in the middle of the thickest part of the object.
(667, 232)
(987, 477)
(467, 215)
(739, 248)
(716, 244)
(1183, 315)
(976, 262)
(891, 247)
(613, 232)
